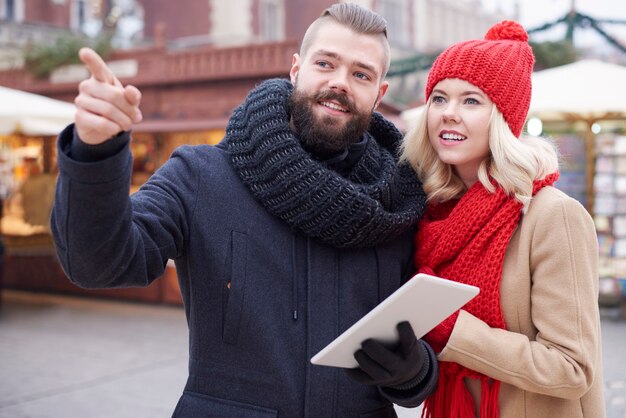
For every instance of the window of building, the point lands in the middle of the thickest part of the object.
(12, 10)
(80, 13)
(396, 12)
(271, 17)
(85, 16)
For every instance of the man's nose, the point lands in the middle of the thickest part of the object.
(339, 81)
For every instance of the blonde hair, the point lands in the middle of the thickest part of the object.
(513, 163)
(356, 18)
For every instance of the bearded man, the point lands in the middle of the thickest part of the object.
(286, 233)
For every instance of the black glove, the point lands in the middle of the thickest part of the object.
(381, 365)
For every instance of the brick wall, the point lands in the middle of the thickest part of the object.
(46, 11)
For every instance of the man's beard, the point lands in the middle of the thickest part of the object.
(325, 136)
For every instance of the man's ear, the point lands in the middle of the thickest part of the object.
(381, 93)
(295, 67)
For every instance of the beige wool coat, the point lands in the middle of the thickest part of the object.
(549, 358)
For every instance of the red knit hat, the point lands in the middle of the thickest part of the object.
(500, 65)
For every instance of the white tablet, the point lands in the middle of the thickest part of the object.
(424, 301)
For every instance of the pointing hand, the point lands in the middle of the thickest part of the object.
(104, 107)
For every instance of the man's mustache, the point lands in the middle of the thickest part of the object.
(340, 98)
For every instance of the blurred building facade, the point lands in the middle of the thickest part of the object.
(194, 61)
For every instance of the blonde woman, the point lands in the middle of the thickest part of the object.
(529, 344)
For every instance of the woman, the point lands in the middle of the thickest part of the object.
(529, 344)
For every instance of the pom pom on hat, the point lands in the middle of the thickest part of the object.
(500, 65)
(507, 30)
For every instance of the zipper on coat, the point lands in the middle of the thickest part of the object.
(294, 281)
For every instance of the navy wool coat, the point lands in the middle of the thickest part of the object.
(260, 299)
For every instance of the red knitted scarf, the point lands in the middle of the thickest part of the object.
(465, 241)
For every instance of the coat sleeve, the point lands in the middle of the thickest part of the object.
(559, 357)
(104, 237)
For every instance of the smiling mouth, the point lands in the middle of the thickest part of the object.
(334, 106)
(453, 137)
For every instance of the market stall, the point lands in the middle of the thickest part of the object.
(587, 97)
(584, 103)
(28, 125)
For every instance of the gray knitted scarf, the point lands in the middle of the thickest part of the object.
(373, 203)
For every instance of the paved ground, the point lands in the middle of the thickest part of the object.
(70, 357)
(614, 344)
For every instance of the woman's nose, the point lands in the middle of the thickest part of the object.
(450, 113)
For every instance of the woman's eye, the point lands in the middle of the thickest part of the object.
(471, 101)
(438, 99)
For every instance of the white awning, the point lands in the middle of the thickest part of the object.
(32, 114)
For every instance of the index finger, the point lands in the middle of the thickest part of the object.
(96, 66)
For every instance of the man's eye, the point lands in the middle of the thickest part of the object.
(322, 64)
(362, 76)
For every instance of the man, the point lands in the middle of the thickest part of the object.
(296, 225)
